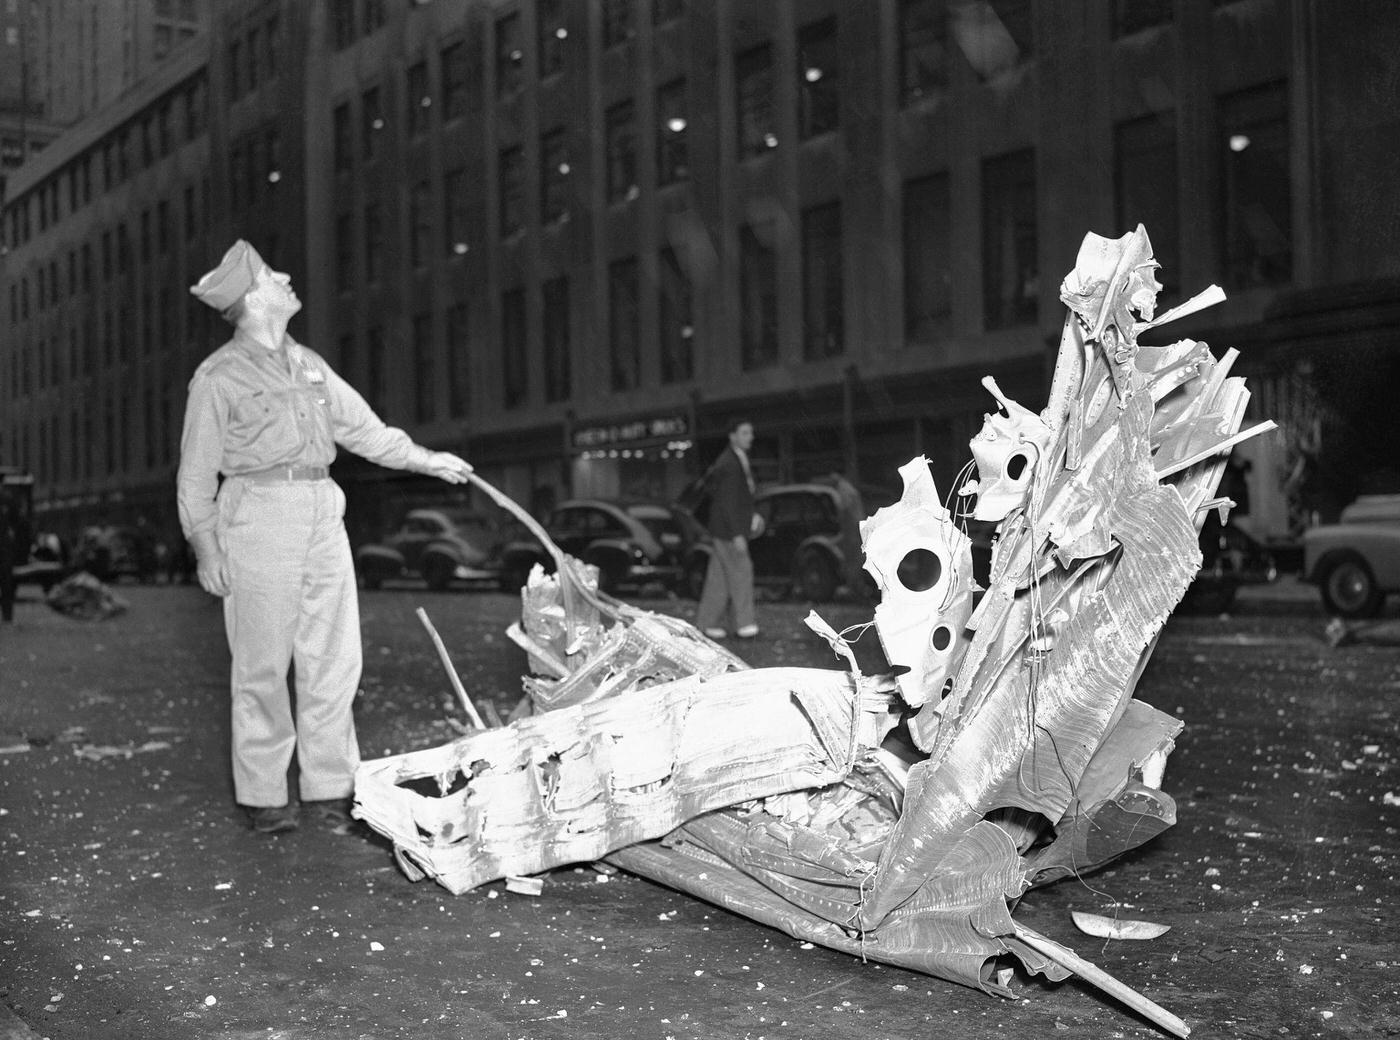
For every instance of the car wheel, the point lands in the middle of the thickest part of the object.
(372, 578)
(1348, 587)
(814, 578)
(437, 571)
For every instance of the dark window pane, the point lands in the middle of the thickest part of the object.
(514, 362)
(1130, 16)
(510, 55)
(421, 223)
(556, 339)
(619, 23)
(458, 358)
(419, 101)
(621, 134)
(927, 270)
(666, 10)
(454, 81)
(923, 48)
(375, 371)
(672, 161)
(553, 36)
(512, 188)
(674, 312)
(624, 336)
(374, 242)
(818, 79)
(1009, 264)
(455, 201)
(554, 176)
(424, 376)
(1145, 188)
(1258, 225)
(342, 137)
(758, 292)
(371, 122)
(753, 88)
(342, 23)
(822, 311)
(373, 15)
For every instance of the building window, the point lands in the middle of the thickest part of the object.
(254, 54)
(163, 138)
(458, 358)
(822, 311)
(1145, 188)
(1258, 225)
(758, 296)
(621, 132)
(345, 252)
(514, 359)
(373, 15)
(345, 357)
(553, 36)
(162, 227)
(424, 378)
(556, 339)
(676, 332)
(1010, 268)
(672, 160)
(270, 34)
(927, 228)
(512, 187)
(1130, 16)
(421, 223)
(455, 189)
(554, 176)
(235, 70)
(419, 100)
(619, 22)
(196, 98)
(753, 78)
(510, 55)
(342, 23)
(375, 372)
(374, 242)
(664, 11)
(624, 338)
(923, 49)
(454, 80)
(342, 137)
(818, 79)
(371, 122)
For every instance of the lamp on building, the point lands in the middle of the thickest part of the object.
(273, 176)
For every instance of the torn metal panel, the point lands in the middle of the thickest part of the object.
(573, 784)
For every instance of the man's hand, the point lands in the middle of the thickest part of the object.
(446, 466)
(213, 573)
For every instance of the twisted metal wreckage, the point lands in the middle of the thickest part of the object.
(773, 791)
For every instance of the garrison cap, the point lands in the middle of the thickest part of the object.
(224, 286)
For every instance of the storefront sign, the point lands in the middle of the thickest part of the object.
(636, 431)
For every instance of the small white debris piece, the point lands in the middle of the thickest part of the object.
(1390, 798)
(806, 946)
(33, 913)
(1111, 928)
(210, 1000)
(1305, 969)
(526, 886)
(376, 947)
(223, 886)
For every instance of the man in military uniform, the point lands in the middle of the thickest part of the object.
(267, 413)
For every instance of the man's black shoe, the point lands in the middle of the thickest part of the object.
(335, 811)
(272, 819)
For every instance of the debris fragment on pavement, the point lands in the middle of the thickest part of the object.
(1021, 756)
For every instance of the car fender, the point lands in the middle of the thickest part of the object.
(824, 545)
(449, 549)
(379, 555)
(1378, 544)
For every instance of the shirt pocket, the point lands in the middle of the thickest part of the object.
(264, 428)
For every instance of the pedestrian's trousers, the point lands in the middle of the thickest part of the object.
(293, 602)
(728, 584)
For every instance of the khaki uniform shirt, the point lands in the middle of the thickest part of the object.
(251, 409)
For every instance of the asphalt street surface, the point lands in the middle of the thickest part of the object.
(135, 903)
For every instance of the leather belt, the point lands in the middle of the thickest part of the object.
(284, 474)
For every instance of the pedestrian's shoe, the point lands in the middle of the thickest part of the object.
(332, 811)
(747, 632)
(716, 633)
(272, 819)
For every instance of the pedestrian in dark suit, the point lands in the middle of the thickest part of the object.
(729, 579)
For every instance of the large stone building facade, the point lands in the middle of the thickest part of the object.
(574, 240)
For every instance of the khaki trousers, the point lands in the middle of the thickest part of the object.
(293, 604)
(728, 586)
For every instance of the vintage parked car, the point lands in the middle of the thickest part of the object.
(632, 542)
(1355, 562)
(110, 553)
(809, 545)
(439, 545)
(1230, 559)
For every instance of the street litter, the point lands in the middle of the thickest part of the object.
(1117, 928)
(97, 752)
(83, 597)
(898, 817)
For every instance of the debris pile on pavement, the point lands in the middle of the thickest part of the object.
(84, 598)
(898, 817)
